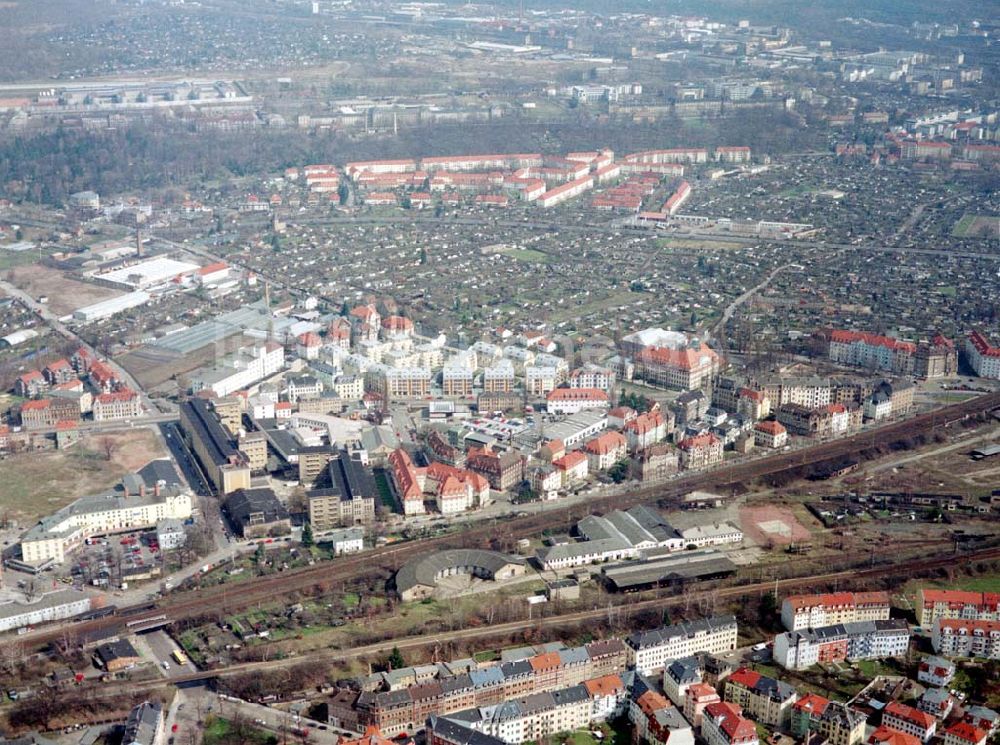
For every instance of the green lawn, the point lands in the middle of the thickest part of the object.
(963, 225)
(219, 731)
(527, 255)
(384, 490)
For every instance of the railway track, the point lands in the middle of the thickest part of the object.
(564, 620)
(195, 603)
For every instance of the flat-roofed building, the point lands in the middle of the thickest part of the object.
(227, 468)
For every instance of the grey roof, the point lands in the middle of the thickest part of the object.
(489, 676)
(242, 503)
(653, 522)
(656, 637)
(143, 724)
(425, 569)
(209, 431)
(574, 656)
(582, 548)
(381, 436)
(120, 648)
(516, 669)
(682, 672)
(681, 567)
(776, 690)
(670, 718)
(629, 527)
(571, 695)
(935, 696)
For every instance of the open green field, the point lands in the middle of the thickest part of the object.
(527, 255)
(977, 226)
(702, 244)
(37, 484)
(984, 583)
(219, 731)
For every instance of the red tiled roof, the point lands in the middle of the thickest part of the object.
(967, 732)
(698, 441)
(577, 394)
(644, 423)
(842, 336)
(812, 703)
(570, 460)
(685, 359)
(218, 266)
(745, 677)
(888, 736)
(983, 346)
(772, 428)
(606, 443)
(37, 405)
(909, 714)
(125, 394)
(607, 685)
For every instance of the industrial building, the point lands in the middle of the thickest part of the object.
(108, 308)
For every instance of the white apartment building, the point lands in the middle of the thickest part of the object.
(983, 357)
(118, 405)
(66, 529)
(248, 366)
(827, 609)
(649, 651)
(592, 376)
(539, 381)
(716, 534)
(903, 718)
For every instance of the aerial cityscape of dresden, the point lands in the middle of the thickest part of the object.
(507, 372)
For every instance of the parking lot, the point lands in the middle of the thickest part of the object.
(116, 559)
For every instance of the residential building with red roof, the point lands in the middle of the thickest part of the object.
(102, 376)
(983, 357)
(118, 405)
(605, 450)
(657, 721)
(925, 359)
(503, 470)
(964, 733)
(619, 416)
(687, 368)
(573, 400)
(700, 452)
(397, 328)
(770, 434)
(452, 490)
(837, 722)
(959, 637)
(933, 604)
(724, 724)
(573, 467)
(645, 430)
(909, 720)
(767, 700)
(888, 736)
(827, 609)
(59, 371)
(46, 413)
(30, 384)
(699, 695)
(307, 345)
